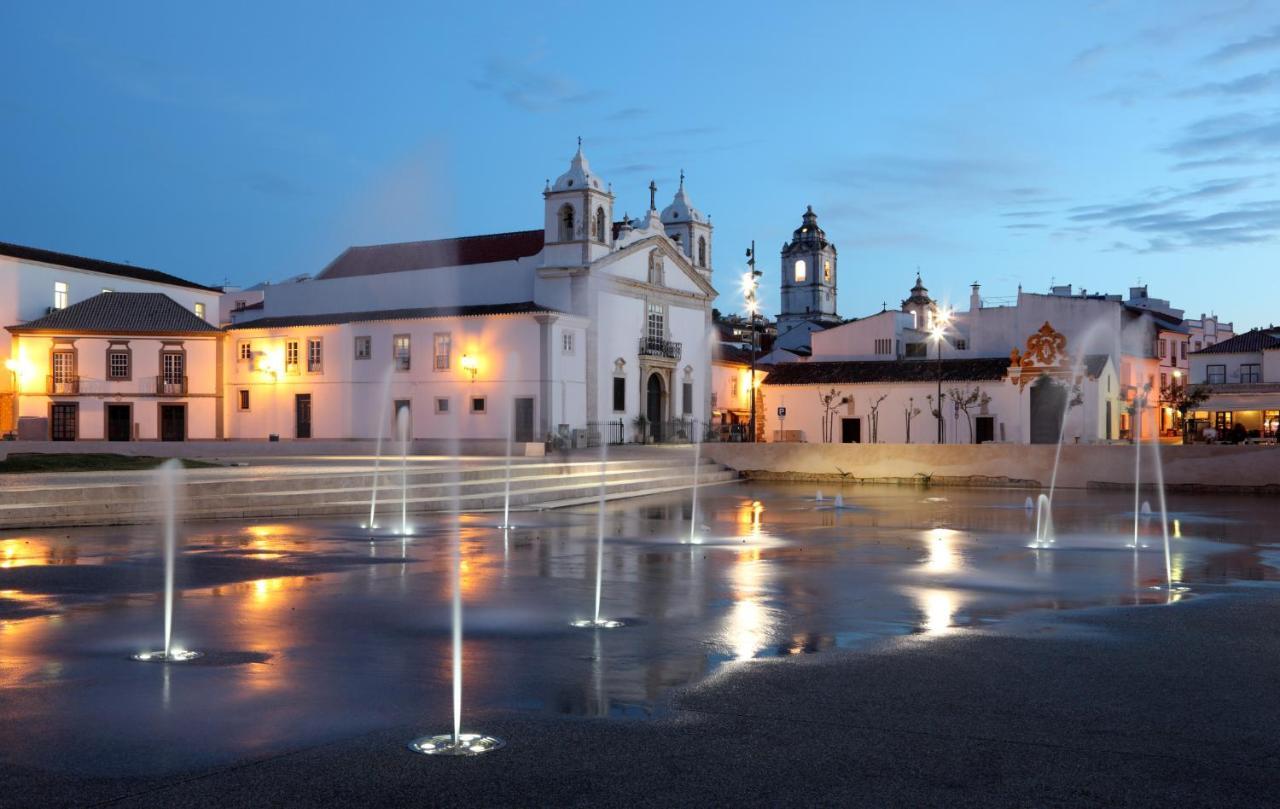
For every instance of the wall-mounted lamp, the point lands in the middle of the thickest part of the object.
(470, 365)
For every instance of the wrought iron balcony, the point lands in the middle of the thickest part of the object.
(63, 385)
(171, 386)
(659, 348)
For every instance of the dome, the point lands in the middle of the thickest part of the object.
(808, 236)
(680, 210)
(579, 175)
(919, 294)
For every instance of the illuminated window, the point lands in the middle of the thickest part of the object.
(826, 272)
(364, 348)
(246, 351)
(291, 357)
(200, 311)
(442, 346)
(800, 274)
(315, 355)
(400, 351)
(59, 294)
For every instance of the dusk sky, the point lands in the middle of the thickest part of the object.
(1099, 144)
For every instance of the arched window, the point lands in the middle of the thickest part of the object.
(566, 223)
(826, 271)
(702, 251)
(800, 274)
(599, 228)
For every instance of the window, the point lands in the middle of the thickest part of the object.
(200, 311)
(1183, 350)
(118, 364)
(619, 393)
(1197, 346)
(916, 350)
(441, 345)
(364, 348)
(800, 273)
(442, 404)
(245, 351)
(657, 331)
(59, 294)
(173, 366)
(733, 386)
(566, 223)
(566, 342)
(1164, 381)
(599, 225)
(291, 357)
(1164, 348)
(1215, 374)
(1270, 422)
(686, 396)
(960, 344)
(477, 404)
(1222, 422)
(1250, 372)
(400, 351)
(315, 355)
(884, 345)
(64, 367)
(702, 251)
(826, 272)
(244, 399)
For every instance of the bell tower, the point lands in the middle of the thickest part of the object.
(808, 276)
(690, 229)
(578, 210)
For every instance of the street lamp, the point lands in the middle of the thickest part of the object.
(938, 333)
(750, 283)
(470, 365)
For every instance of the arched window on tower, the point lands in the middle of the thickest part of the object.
(826, 272)
(599, 226)
(800, 273)
(566, 223)
(702, 251)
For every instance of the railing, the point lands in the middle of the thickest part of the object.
(171, 386)
(613, 432)
(659, 348)
(65, 385)
(672, 431)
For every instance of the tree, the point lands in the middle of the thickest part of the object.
(965, 401)
(875, 418)
(909, 412)
(1184, 398)
(831, 402)
(936, 413)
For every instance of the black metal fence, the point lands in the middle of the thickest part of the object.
(612, 432)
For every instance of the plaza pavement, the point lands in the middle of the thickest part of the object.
(1169, 706)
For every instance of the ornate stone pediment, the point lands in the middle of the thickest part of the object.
(1046, 354)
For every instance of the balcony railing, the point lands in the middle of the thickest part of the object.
(171, 386)
(62, 385)
(659, 348)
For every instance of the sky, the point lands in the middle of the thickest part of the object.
(1100, 144)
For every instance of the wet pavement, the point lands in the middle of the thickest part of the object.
(315, 635)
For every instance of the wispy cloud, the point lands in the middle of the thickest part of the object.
(1089, 57)
(1237, 133)
(627, 114)
(523, 84)
(274, 184)
(1252, 84)
(1162, 198)
(1259, 43)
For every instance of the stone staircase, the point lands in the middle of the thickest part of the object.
(274, 492)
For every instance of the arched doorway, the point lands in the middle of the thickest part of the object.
(1048, 398)
(653, 405)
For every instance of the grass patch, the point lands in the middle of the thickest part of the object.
(21, 462)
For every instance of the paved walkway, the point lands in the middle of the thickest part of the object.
(1162, 706)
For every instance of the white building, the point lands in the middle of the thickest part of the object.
(1242, 374)
(582, 323)
(35, 284)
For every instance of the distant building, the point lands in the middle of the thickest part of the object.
(1243, 377)
(808, 280)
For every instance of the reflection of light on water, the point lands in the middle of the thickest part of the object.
(1177, 562)
(943, 556)
(937, 608)
(748, 624)
(749, 518)
(1177, 528)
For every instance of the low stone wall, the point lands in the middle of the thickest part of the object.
(1198, 467)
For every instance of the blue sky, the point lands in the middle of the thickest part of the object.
(1099, 144)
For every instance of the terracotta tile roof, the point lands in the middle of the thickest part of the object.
(376, 259)
(1256, 340)
(97, 265)
(335, 318)
(121, 313)
(985, 369)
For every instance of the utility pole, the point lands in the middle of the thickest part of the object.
(749, 285)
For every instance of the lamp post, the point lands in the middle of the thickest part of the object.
(749, 286)
(938, 331)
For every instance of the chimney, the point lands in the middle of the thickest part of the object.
(975, 300)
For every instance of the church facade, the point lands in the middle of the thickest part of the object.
(587, 324)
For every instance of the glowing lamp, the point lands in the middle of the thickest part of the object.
(470, 365)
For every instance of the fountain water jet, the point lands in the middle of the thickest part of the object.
(168, 477)
(456, 743)
(1044, 523)
(1169, 585)
(697, 460)
(402, 425)
(597, 622)
(506, 488)
(377, 455)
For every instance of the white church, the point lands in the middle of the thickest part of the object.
(582, 324)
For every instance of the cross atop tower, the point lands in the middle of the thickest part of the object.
(653, 193)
